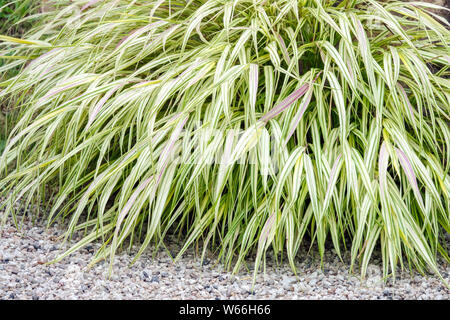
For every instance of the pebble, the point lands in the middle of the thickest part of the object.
(23, 274)
(313, 282)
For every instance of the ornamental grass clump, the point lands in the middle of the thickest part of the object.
(247, 125)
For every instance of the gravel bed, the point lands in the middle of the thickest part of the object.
(24, 275)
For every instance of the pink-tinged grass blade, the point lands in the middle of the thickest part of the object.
(284, 49)
(46, 71)
(89, 4)
(350, 70)
(407, 100)
(142, 29)
(54, 92)
(33, 62)
(125, 38)
(410, 175)
(101, 103)
(299, 115)
(297, 94)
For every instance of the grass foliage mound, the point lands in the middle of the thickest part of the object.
(250, 125)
